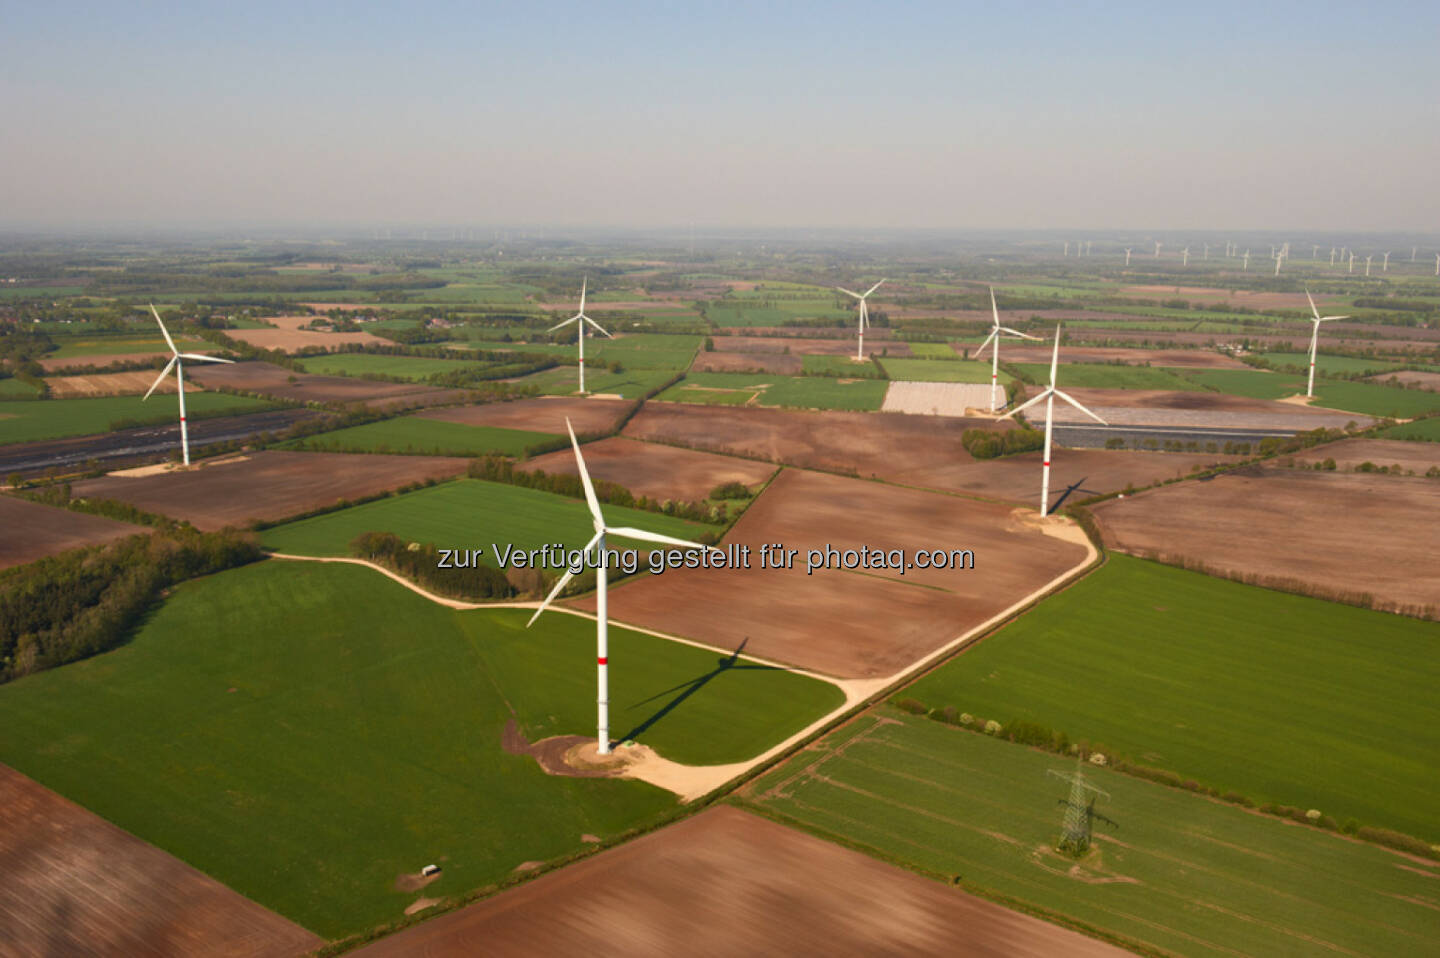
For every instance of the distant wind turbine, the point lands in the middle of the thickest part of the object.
(580, 319)
(1314, 250)
(1247, 261)
(1207, 251)
(1367, 264)
(1332, 256)
(1127, 255)
(1352, 261)
(1386, 267)
(1278, 261)
(602, 594)
(1049, 397)
(1186, 253)
(1315, 338)
(1157, 249)
(994, 340)
(864, 321)
(175, 361)
(1067, 247)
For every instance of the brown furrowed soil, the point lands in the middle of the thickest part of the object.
(112, 384)
(33, 531)
(74, 884)
(657, 471)
(269, 485)
(270, 380)
(727, 882)
(540, 415)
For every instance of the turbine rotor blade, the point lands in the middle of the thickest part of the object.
(848, 293)
(1016, 332)
(583, 284)
(598, 326)
(1326, 319)
(1312, 302)
(564, 581)
(204, 359)
(590, 498)
(160, 378)
(163, 330)
(1055, 357)
(565, 323)
(1072, 401)
(994, 334)
(994, 310)
(644, 536)
(872, 289)
(1027, 404)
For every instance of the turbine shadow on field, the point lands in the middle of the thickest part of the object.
(687, 689)
(1077, 486)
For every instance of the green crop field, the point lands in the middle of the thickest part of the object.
(11, 388)
(1105, 376)
(32, 420)
(414, 434)
(305, 733)
(1330, 365)
(933, 351)
(842, 367)
(800, 392)
(370, 364)
(1305, 702)
(39, 292)
(1178, 873)
(467, 513)
(942, 371)
(1256, 384)
(151, 342)
(1371, 399)
(563, 380)
(776, 312)
(1422, 430)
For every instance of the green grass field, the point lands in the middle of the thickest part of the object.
(11, 388)
(942, 371)
(1106, 376)
(1374, 400)
(32, 420)
(305, 733)
(799, 392)
(641, 351)
(467, 513)
(415, 434)
(740, 312)
(1330, 365)
(933, 351)
(1180, 873)
(1255, 384)
(150, 342)
(1281, 698)
(564, 380)
(842, 367)
(370, 364)
(1422, 430)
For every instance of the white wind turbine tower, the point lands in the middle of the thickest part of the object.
(994, 339)
(1278, 260)
(1049, 396)
(175, 361)
(1367, 264)
(1352, 261)
(1127, 255)
(1332, 256)
(1067, 247)
(1315, 339)
(1186, 253)
(1157, 249)
(1246, 267)
(581, 319)
(1207, 251)
(1437, 264)
(1386, 267)
(864, 320)
(602, 595)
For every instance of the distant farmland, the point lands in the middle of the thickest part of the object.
(31, 420)
(415, 434)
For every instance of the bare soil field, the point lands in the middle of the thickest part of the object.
(1234, 297)
(110, 384)
(727, 882)
(289, 337)
(1012, 352)
(1074, 473)
(850, 624)
(1337, 532)
(269, 485)
(77, 885)
(1291, 341)
(539, 415)
(660, 472)
(1157, 407)
(937, 399)
(884, 445)
(1349, 453)
(1429, 381)
(271, 380)
(747, 362)
(33, 531)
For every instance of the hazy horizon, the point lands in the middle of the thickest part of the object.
(895, 117)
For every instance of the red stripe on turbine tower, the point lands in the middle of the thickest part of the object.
(1046, 462)
(602, 661)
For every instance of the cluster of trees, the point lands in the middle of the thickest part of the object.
(988, 444)
(420, 562)
(86, 601)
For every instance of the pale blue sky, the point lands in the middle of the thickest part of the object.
(1041, 115)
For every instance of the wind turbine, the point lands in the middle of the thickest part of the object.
(1049, 396)
(1186, 260)
(1127, 255)
(1315, 338)
(1247, 261)
(1157, 249)
(994, 338)
(581, 319)
(602, 636)
(175, 361)
(1367, 264)
(1067, 247)
(1437, 264)
(1352, 261)
(1332, 256)
(1207, 251)
(1386, 267)
(1278, 260)
(864, 317)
